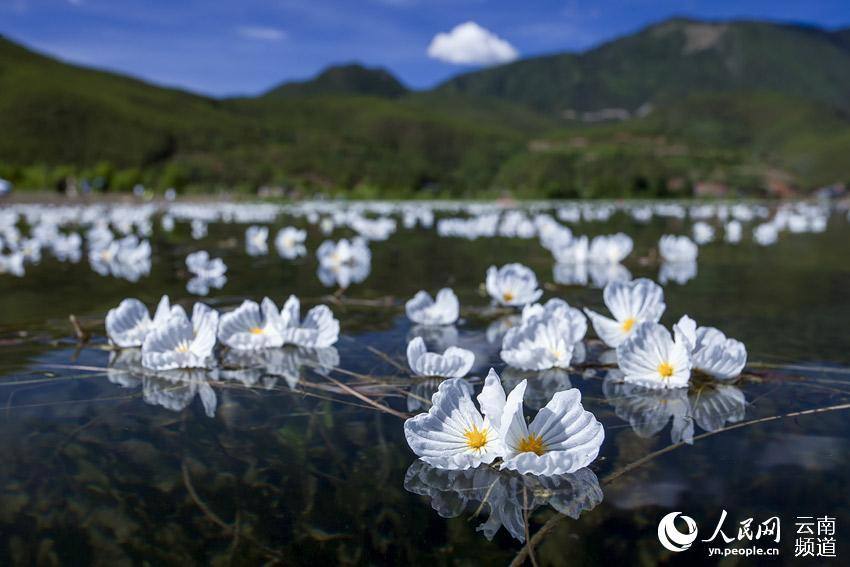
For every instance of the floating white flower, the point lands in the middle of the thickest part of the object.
(512, 285)
(128, 324)
(630, 303)
(453, 434)
(711, 352)
(546, 338)
(289, 242)
(199, 229)
(733, 232)
(424, 310)
(181, 343)
(558, 309)
(251, 326)
(201, 265)
(573, 251)
(562, 438)
(318, 330)
(653, 359)
(766, 234)
(453, 363)
(703, 233)
(256, 240)
(677, 248)
(343, 263)
(610, 249)
(12, 264)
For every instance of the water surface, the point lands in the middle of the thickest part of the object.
(100, 465)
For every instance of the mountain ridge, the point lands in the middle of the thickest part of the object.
(747, 105)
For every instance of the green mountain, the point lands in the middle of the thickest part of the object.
(52, 112)
(350, 79)
(675, 58)
(747, 105)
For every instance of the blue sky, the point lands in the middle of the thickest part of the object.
(225, 47)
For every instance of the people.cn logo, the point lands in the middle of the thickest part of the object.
(670, 536)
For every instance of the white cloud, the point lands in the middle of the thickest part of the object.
(261, 33)
(470, 44)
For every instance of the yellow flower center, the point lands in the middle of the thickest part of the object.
(256, 331)
(628, 324)
(475, 438)
(507, 296)
(665, 370)
(183, 347)
(533, 443)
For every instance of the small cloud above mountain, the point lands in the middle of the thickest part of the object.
(471, 44)
(261, 33)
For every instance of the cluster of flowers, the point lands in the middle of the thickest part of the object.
(564, 437)
(172, 340)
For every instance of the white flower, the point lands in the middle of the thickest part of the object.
(561, 439)
(453, 434)
(128, 324)
(512, 285)
(12, 264)
(343, 263)
(453, 363)
(611, 249)
(733, 232)
(256, 238)
(546, 338)
(251, 327)
(290, 242)
(711, 352)
(181, 343)
(557, 308)
(574, 251)
(424, 310)
(318, 330)
(653, 359)
(199, 229)
(200, 264)
(766, 234)
(677, 248)
(630, 303)
(703, 233)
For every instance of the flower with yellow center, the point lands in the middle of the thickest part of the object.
(475, 438)
(630, 303)
(256, 331)
(531, 443)
(561, 439)
(652, 358)
(453, 434)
